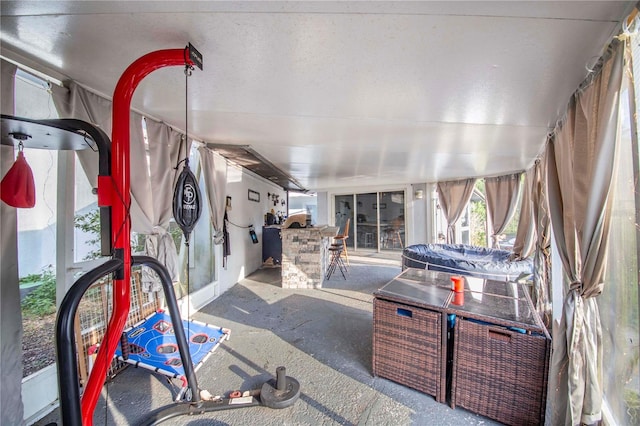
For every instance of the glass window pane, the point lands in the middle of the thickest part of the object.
(304, 203)
(618, 304)
(344, 211)
(392, 224)
(32, 99)
(508, 236)
(477, 213)
(439, 220)
(37, 235)
(464, 228)
(86, 235)
(366, 226)
(201, 254)
(37, 264)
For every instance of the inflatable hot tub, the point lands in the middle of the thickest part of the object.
(475, 261)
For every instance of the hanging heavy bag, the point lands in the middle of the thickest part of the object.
(186, 201)
(17, 188)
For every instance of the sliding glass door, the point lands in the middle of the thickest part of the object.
(344, 211)
(367, 221)
(379, 222)
(391, 211)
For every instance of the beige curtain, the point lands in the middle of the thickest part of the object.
(502, 196)
(542, 256)
(581, 163)
(150, 202)
(10, 313)
(152, 186)
(525, 235)
(533, 236)
(454, 197)
(77, 102)
(214, 168)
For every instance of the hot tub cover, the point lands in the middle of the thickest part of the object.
(480, 262)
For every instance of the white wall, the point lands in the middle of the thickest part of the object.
(245, 257)
(419, 215)
(324, 207)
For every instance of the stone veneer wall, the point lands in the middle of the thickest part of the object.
(304, 257)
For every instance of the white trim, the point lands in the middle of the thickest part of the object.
(37, 398)
(198, 299)
(368, 189)
(28, 69)
(607, 415)
(64, 223)
(408, 205)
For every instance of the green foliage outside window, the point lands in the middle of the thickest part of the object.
(42, 300)
(479, 217)
(478, 223)
(89, 223)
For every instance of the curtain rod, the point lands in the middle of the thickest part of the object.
(41, 75)
(624, 27)
(143, 113)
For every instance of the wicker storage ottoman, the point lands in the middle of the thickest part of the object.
(499, 373)
(408, 346)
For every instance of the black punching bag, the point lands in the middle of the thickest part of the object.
(186, 201)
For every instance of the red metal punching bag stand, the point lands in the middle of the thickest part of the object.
(113, 194)
(114, 191)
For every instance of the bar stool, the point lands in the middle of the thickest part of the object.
(336, 261)
(391, 238)
(342, 239)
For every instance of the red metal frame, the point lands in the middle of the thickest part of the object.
(115, 192)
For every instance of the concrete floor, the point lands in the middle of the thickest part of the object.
(323, 337)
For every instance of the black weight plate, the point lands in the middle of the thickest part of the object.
(271, 397)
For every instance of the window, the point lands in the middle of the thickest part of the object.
(86, 219)
(377, 219)
(619, 301)
(343, 212)
(195, 265)
(37, 234)
(201, 253)
(475, 232)
(304, 203)
(366, 221)
(392, 224)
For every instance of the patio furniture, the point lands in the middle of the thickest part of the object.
(464, 259)
(342, 239)
(484, 349)
(336, 261)
(409, 333)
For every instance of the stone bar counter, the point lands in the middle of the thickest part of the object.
(304, 255)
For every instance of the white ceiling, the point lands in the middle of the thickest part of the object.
(338, 94)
